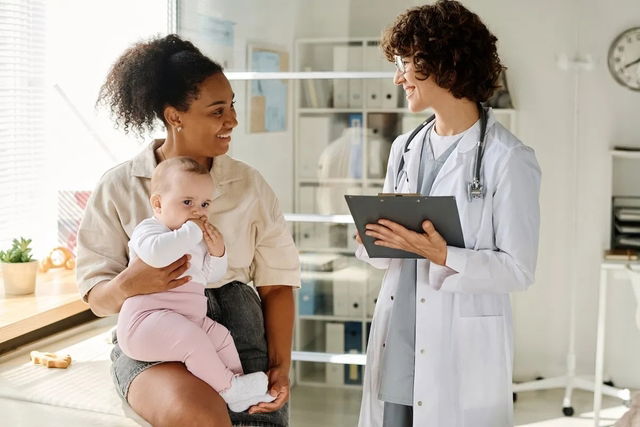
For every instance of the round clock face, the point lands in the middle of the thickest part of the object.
(624, 58)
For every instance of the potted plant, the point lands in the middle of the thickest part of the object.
(19, 268)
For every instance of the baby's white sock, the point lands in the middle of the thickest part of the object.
(246, 391)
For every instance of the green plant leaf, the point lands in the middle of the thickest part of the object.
(19, 251)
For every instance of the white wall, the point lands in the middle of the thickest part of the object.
(609, 116)
(529, 39)
(575, 225)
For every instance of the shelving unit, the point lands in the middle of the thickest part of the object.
(344, 125)
(333, 315)
(333, 157)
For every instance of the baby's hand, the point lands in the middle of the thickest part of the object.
(213, 239)
(200, 223)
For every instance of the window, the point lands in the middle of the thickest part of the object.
(54, 144)
(22, 121)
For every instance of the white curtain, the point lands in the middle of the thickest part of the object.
(22, 116)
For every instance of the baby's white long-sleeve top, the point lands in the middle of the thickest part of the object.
(158, 246)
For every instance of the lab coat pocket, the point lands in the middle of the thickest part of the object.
(484, 372)
(480, 305)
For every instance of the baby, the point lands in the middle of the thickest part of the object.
(172, 326)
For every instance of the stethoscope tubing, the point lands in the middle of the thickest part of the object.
(476, 184)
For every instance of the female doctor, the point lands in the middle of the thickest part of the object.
(441, 345)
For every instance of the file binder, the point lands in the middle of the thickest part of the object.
(353, 344)
(340, 86)
(355, 85)
(334, 340)
(373, 87)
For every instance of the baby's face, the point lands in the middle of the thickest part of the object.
(188, 196)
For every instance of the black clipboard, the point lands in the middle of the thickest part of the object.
(409, 210)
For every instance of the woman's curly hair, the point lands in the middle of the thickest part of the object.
(151, 75)
(450, 43)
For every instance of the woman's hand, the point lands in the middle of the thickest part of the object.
(278, 387)
(140, 278)
(429, 244)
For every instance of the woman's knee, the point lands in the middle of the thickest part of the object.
(169, 395)
(196, 413)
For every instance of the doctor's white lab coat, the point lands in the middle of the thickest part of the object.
(464, 337)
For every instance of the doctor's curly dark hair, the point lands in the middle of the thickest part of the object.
(152, 75)
(450, 43)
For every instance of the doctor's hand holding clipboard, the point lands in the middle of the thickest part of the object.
(441, 343)
(430, 244)
(404, 225)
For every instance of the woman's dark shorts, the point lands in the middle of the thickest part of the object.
(238, 308)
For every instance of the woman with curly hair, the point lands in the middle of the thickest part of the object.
(169, 80)
(440, 348)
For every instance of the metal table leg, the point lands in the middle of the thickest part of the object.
(602, 308)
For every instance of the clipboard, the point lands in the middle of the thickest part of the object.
(409, 210)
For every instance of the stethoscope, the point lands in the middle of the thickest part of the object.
(475, 189)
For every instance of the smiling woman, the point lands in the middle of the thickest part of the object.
(206, 125)
(170, 80)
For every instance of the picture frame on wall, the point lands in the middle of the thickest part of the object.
(268, 99)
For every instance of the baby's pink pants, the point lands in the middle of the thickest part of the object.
(172, 326)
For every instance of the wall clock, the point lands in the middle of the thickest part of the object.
(624, 58)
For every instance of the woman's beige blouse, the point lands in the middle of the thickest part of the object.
(244, 208)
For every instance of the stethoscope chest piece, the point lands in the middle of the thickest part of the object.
(475, 190)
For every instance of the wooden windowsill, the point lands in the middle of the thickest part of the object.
(56, 298)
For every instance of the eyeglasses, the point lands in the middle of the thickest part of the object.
(400, 64)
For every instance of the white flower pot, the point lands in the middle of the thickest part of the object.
(19, 277)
